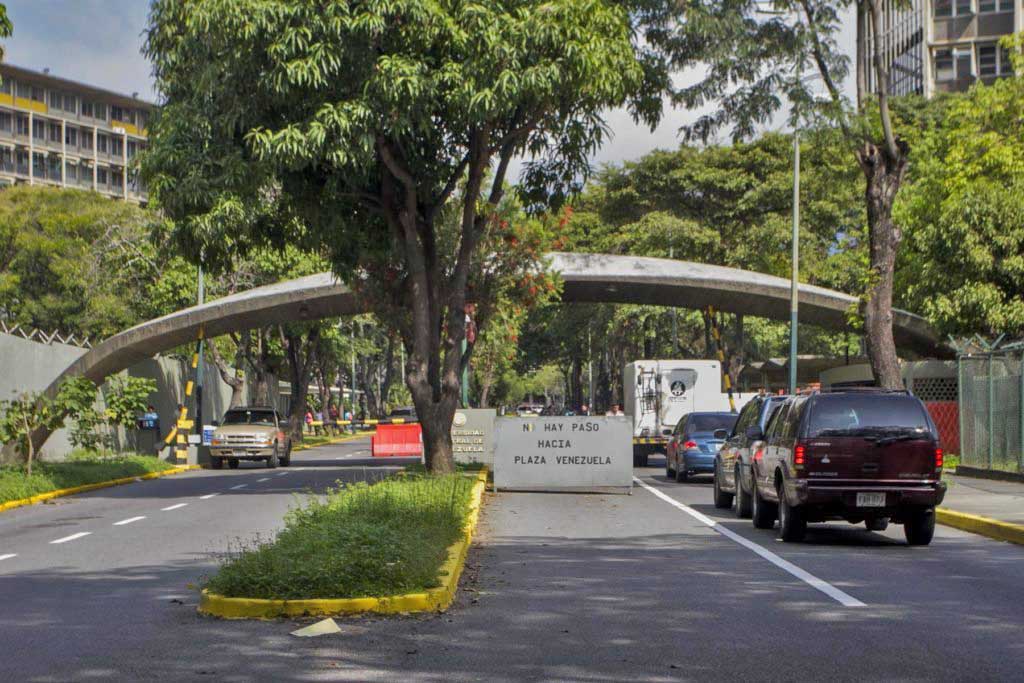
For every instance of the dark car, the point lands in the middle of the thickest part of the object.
(732, 465)
(860, 456)
(695, 442)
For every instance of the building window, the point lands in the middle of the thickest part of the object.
(71, 171)
(37, 94)
(71, 136)
(38, 165)
(101, 143)
(994, 61)
(7, 159)
(987, 6)
(6, 121)
(133, 149)
(56, 100)
(53, 166)
(87, 108)
(952, 64)
(951, 8)
(21, 162)
(70, 104)
(7, 86)
(101, 176)
(38, 129)
(117, 177)
(116, 146)
(99, 111)
(54, 132)
(22, 123)
(24, 90)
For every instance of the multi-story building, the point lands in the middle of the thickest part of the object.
(936, 46)
(67, 134)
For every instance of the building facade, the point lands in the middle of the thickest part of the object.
(66, 134)
(937, 46)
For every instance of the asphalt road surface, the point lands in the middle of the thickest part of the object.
(654, 586)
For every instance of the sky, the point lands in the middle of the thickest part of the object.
(99, 42)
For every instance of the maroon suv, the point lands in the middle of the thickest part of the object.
(863, 456)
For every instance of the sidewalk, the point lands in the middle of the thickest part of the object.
(1000, 500)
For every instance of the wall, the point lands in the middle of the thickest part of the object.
(31, 366)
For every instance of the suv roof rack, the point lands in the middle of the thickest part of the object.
(861, 390)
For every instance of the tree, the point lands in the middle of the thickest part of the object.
(963, 212)
(21, 417)
(355, 125)
(6, 27)
(757, 58)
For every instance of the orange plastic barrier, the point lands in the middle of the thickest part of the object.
(403, 440)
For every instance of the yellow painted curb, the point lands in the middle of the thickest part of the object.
(986, 526)
(432, 600)
(58, 493)
(334, 440)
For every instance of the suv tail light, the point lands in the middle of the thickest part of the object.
(758, 454)
(938, 458)
(690, 445)
(799, 454)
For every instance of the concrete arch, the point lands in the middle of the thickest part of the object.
(587, 278)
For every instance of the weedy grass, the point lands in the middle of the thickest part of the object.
(360, 540)
(81, 467)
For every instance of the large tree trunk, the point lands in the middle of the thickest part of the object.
(300, 356)
(389, 373)
(228, 375)
(884, 175)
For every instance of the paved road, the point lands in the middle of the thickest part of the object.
(559, 587)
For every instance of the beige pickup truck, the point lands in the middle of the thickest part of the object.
(251, 433)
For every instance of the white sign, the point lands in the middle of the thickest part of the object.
(473, 435)
(563, 453)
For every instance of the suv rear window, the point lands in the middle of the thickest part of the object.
(846, 415)
(710, 423)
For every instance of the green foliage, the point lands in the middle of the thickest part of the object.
(25, 414)
(386, 539)
(963, 215)
(82, 467)
(74, 261)
(126, 398)
(6, 27)
(77, 397)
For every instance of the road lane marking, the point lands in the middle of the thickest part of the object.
(281, 474)
(814, 582)
(8, 556)
(173, 507)
(72, 537)
(208, 496)
(129, 520)
(240, 486)
(263, 479)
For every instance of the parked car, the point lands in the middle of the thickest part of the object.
(404, 413)
(732, 464)
(695, 442)
(251, 433)
(868, 456)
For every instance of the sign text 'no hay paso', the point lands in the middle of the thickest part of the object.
(563, 453)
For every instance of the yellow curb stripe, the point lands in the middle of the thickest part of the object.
(432, 600)
(59, 493)
(985, 526)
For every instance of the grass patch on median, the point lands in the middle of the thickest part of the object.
(82, 467)
(386, 539)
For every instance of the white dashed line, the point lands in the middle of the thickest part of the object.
(129, 520)
(263, 479)
(281, 474)
(813, 581)
(208, 496)
(240, 486)
(72, 537)
(8, 556)
(173, 507)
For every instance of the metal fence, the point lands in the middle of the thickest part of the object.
(991, 397)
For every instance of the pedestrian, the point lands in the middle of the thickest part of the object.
(309, 421)
(584, 409)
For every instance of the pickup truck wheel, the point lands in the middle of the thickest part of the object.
(274, 460)
(233, 463)
(216, 463)
(919, 527)
(723, 500)
(792, 522)
(762, 512)
(743, 499)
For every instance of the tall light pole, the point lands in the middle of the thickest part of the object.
(795, 271)
(675, 323)
(352, 337)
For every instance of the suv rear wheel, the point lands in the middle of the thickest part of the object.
(762, 512)
(919, 527)
(744, 504)
(723, 500)
(792, 521)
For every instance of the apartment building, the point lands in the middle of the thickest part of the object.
(936, 46)
(67, 134)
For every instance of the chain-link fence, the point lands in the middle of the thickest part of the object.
(992, 408)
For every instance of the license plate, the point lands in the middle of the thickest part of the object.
(240, 454)
(870, 500)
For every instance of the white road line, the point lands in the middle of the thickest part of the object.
(263, 479)
(72, 537)
(240, 486)
(8, 556)
(128, 521)
(814, 582)
(281, 474)
(173, 507)
(208, 496)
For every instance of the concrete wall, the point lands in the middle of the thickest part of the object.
(31, 366)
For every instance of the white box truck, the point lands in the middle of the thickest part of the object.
(659, 392)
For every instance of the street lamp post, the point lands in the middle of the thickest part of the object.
(794, 286)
